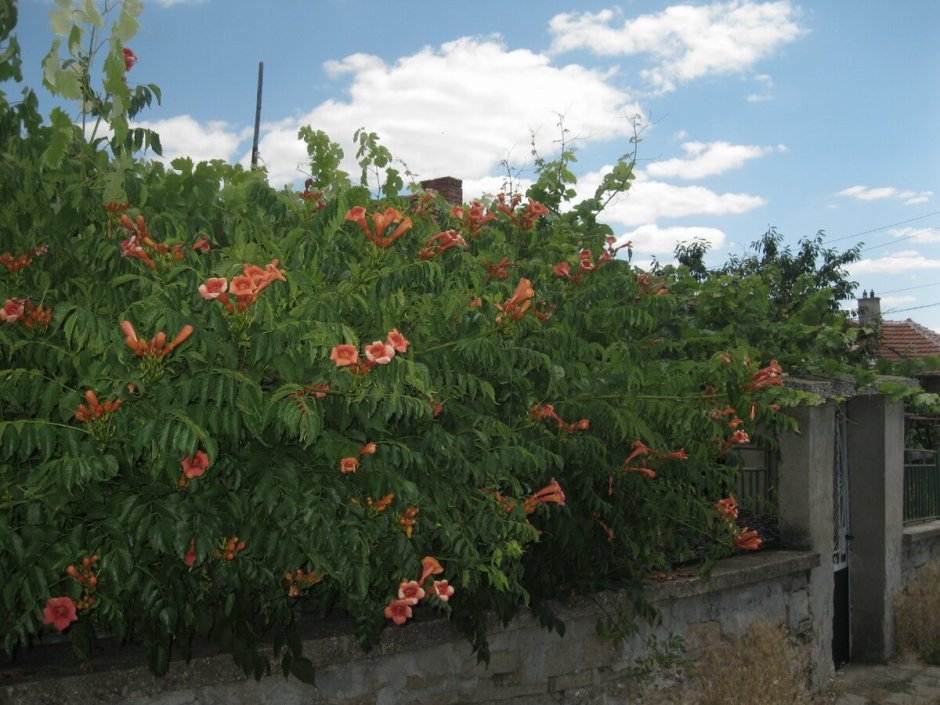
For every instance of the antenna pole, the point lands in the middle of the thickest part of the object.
(254, 145)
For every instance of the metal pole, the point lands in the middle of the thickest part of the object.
(254, 145)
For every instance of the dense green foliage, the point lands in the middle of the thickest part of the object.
(786, 303)
(536, 414)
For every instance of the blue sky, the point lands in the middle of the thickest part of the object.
(804, 116)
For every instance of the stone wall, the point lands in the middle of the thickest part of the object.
(920, 546)
(431, 663)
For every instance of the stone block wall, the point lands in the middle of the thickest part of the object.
(431, 663)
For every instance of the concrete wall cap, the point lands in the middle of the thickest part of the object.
(829, 388)
(825, 387)
(921, 532)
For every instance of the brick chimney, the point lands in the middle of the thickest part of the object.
(447, 186)
(869, 308)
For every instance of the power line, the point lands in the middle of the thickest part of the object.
(912, 308)
(882, 227)
(909, 288)
(901, 239)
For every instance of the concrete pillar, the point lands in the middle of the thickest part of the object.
(805, 486)
(876, 490)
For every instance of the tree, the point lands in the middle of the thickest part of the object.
(783, 302)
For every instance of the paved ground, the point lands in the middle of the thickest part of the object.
(896, 683)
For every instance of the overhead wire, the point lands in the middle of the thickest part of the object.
(912, 308)
(901, 239)
(909, 288)
(896, 240)
(882, 227)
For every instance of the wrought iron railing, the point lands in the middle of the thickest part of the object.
(921, 486)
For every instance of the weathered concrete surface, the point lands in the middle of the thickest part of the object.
(876, 490)
(806, 511)
(430, 662)
(920, 547)
(895, 683)
(828, 389)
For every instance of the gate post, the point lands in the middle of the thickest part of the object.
(876, 490)
(805, 487)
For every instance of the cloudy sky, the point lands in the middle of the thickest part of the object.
(804, 116)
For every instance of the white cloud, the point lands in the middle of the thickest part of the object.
(353, 64)
(924, 235)
(647, 201)
(896, 263)
(912, 199)
(182, 136)
(283, 154)
(767, 83)
(685, 41)
(863, 193)
(456, 110)
(492, 185)
(706, 160)
(654, 240)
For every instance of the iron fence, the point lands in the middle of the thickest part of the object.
(757, 481)
(921, 486)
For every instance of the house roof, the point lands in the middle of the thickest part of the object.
(902, 340)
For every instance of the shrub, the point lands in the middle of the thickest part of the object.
(761, 667)
(219, 398)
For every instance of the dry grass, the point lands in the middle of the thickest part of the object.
(761, 667)
(917, 615)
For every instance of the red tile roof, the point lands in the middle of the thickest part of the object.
(907, 339)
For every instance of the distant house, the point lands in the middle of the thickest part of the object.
(902, 340)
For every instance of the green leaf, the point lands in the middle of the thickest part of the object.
(61, 136)
(159, 658)
(61, 19)
(302, 668)
(126, 26)
(186, 432)
(91, 14)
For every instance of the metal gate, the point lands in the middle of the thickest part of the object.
(841, 643)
